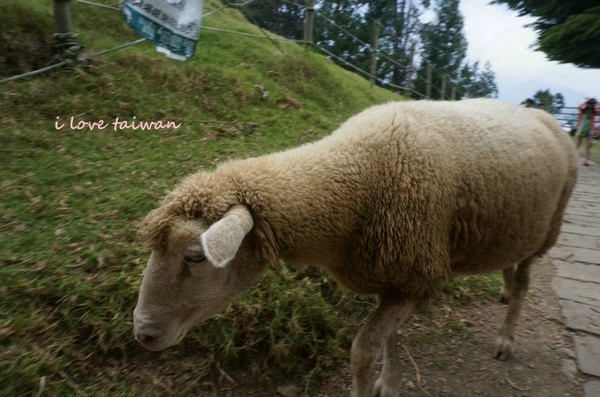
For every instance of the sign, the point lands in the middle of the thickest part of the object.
(174, 25)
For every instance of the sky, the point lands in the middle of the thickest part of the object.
(496, 34)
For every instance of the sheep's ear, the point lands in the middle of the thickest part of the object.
(223, 238)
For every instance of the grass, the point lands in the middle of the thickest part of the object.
(595, 152)
(70, 263)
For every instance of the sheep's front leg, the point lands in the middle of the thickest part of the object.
(507, 283)
(379, 330)
(388, 383)
(520, 284)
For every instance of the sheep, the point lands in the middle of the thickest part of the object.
(395, 201)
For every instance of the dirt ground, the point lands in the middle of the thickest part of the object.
(458, 362)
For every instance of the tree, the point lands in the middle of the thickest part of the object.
(552, 103)
(568, 31)
(485, 83)
(476, 83)
(444, 48)
(277, 16)
(344, 28)
(399, 32)
(400, 29)
(334, 20)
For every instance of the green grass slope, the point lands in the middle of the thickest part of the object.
(70, 264)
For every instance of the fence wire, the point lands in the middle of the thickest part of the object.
(273, 39)
(379, 52)
(63, 63)
(98, 5)
(226, 6)
(34, 73)
(252, 35)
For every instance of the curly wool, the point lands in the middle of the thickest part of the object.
(400, 196)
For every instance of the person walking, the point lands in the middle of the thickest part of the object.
(585, 126)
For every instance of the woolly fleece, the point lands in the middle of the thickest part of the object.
(399, 197)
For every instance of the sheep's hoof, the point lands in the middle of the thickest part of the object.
(503, 348)
(382, 390)
(504, 298)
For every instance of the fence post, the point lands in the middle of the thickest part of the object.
(453, 93)
(409, 72)
(309, 23)
(65, 41)
(443, 93)
(374, 51)
(62, 16)
(429, 76)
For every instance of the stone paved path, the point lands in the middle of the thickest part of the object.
(577, 280)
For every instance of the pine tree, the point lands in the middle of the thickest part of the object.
(399, 32)
(344, 28)
(568, 31)
(277, 16)
(401, 26)
(468, 79)
(553, 103)
(484, 83)
(334, 20)
(444, 48)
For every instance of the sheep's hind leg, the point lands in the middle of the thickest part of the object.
(379, 331)
(507, 283)
(520, 284)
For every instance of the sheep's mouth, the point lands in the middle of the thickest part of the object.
(197, 316)
(179, 338)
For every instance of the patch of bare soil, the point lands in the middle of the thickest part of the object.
(542, 364)
(448, 353)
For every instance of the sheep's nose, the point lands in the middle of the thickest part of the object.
(146, 335)
(144, 338)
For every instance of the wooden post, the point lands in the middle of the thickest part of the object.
(374, 51)
(409, 72)
(443, 93)
(429, 76)
(453, 93)
(65, 41)
(62, 16)
(309, 23)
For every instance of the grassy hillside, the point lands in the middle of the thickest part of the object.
(70, 264)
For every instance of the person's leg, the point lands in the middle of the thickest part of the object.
(588, 148)
(578, 142)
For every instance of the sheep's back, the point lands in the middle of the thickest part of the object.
(478, 179)
(388, 199)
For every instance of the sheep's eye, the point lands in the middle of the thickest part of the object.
(194, 258)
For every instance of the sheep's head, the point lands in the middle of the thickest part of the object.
(197, 270)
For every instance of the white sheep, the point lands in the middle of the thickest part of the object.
(396, 200)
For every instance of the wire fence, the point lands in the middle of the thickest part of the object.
(383, 54)
(567, 116)
(274, 39)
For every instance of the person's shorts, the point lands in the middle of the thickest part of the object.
(584, 131)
